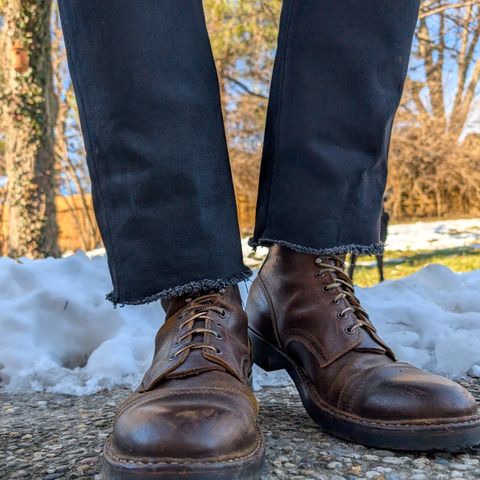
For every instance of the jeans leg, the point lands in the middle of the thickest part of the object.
(147, 92)
(337, 82)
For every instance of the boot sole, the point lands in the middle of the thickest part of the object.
(247, 468)
(451, 436)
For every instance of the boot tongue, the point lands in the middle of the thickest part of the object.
(370, 342)
(173, 305)
(188, 364)
(195, 362)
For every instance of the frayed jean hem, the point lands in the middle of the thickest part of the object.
(180, 290)
(357, 249)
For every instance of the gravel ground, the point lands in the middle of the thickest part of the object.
(48, 436)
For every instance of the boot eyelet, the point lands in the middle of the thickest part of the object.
(349, 330)
(318, 260)
(176, 344)
(223, 313)
(171, 357)
(336, 302)
(218, 336)
(341, 315)
(325, 289)
(219, 352)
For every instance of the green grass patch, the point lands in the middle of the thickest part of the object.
(398, 264)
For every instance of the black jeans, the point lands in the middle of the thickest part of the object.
(149, 103)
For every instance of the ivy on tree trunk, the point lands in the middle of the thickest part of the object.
(29, 110)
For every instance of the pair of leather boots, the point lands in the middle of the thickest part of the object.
(194, 414)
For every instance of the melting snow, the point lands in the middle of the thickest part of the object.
(59, 334)
(434, 235)
(407, 236)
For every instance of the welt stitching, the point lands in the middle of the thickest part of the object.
(433, 423)
(113, 454)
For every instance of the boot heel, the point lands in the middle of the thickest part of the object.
(266, 356)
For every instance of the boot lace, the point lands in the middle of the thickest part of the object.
(198, 310)
(343, 283)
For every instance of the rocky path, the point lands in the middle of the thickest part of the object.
(48, 436)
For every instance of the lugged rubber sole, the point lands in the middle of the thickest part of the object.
(249, 467)
(391, 435)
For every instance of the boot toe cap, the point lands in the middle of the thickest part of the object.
(188, 427)
(405, 393)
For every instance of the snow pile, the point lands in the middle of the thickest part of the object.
(405, 236)
(57, 333)
(434, 235)
(430, 318)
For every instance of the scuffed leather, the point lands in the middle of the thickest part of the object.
(354, 373)
(198, 407)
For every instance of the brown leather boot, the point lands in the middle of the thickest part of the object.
(304, 317)
(194, 414)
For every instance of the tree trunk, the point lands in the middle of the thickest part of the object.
(29, 119)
